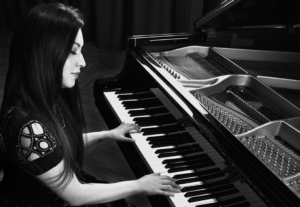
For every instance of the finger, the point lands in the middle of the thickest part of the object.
(166, 193)
(129, 126)
(165, 177)
(169, 188)
(171, 183)
(133, 127)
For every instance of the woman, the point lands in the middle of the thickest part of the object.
(42, 126)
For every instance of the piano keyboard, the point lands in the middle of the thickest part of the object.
(179, 151)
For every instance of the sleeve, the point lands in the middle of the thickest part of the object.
(37, 150)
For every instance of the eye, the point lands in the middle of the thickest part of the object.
(74, 53)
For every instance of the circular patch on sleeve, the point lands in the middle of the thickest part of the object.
(34, 141)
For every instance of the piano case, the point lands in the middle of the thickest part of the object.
(235, 85)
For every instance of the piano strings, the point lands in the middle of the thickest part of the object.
(191, 66)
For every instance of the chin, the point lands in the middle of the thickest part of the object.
(68, 85)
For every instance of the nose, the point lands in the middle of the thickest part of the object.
(81, 61)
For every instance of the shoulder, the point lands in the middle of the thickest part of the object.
(19, 120)
(28, 135)
(34, 141)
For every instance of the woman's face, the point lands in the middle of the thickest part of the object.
(73, 63)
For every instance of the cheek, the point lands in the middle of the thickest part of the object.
(67, 67)
(67, 79)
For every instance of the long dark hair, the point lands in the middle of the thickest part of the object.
(40, 46)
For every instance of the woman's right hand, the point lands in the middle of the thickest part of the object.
(156, 184)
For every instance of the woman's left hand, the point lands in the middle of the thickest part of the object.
(119, 132)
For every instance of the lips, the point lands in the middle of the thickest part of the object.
(76, 75)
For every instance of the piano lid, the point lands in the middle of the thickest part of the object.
(250, 14)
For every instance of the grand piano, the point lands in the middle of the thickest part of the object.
(219, 108)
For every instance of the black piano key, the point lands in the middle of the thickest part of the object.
(142, 103)
(178, 149)
(133, 91)
(187, 163)
(146, 123)
(181, 135)
(127, 97)
(199, 174)
(184, 152)
(134, 106)
(165, 144)
(169, 140)
(148, 111)
(192, 167)
(184, 159)
(162, 129)
(215, 195)
(138, 96)
(152, 121)
(209, 177)
(243, 204)
(239, 199)
(210, 190)
(204, 177)
(206, 185)
(157, 119)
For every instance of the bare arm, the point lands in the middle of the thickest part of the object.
(92, 139)
(77, 193)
